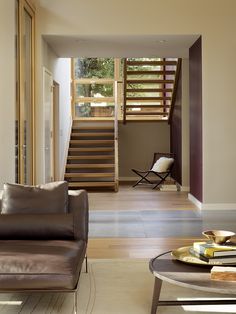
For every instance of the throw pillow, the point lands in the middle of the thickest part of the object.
(162, 164)
(47, 198)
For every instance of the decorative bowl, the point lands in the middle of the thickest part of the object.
(218, 236)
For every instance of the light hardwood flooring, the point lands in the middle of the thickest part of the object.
(138, 199)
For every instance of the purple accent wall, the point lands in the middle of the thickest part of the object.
(176, 134)
(195, 116)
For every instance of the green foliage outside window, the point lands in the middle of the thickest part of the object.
(94, 68)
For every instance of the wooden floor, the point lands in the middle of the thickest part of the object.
(142, 198)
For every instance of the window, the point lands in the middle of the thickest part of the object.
(93, 87)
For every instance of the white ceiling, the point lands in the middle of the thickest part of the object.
(121, 46)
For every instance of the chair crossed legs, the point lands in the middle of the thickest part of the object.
(161, 175)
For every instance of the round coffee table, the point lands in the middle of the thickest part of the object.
(165, 268)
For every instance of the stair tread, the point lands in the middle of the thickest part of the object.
(149, 90)
(88, 175)
(148, 98)
(148, 62)
(91, 149)
(91, 141)
(146, 113)
(72, 166)
(91, 157)
(91, 184)
(142, 81)
(92, 134)
(150, 72)
(106, 127)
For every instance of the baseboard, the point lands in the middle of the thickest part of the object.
(184, 188)
(211, 206)
(219, 206)
(127, 178)
(195, 201)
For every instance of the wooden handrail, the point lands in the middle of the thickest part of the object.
(174, 94)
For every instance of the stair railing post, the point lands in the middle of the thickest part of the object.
(116, 135)
(124, 90)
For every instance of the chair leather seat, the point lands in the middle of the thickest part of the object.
(40, 264)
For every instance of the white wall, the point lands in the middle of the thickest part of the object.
(61, 71)
(7, 91)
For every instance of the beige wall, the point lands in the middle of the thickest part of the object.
(214, 20)
(137, 143)
(7, 91)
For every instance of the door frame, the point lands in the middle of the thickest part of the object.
(52, 153)
(56, 129)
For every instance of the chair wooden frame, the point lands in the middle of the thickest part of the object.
(161, 175)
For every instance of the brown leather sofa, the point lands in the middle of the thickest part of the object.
(42, 250)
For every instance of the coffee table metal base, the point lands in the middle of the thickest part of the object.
(156, 302)
(161, 268)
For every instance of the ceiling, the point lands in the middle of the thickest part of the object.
(121, 46)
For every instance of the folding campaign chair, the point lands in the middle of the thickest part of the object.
(162, 165)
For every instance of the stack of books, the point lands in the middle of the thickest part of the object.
(211, 252)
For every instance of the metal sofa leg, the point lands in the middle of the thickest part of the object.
(86, 263)
(75, 302)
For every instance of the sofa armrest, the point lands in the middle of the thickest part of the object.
(78, 205)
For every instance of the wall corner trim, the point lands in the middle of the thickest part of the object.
(195, 201)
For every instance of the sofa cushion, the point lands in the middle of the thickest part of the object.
(48, 198)
(40, 264)
(36, 227)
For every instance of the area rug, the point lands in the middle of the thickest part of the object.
(126, 286)
(110, 287)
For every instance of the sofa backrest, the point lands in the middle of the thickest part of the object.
(51, 223)
(37, 227)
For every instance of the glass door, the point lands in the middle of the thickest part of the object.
(25, 97)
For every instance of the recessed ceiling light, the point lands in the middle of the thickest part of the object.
(162, 41)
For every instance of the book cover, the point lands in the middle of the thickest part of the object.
(222, 259)
(211, 250)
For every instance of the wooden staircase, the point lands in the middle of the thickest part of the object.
(149, 87)
(91, 156)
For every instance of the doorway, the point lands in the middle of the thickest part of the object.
(48, 119)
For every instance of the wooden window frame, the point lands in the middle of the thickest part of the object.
(76, 99)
